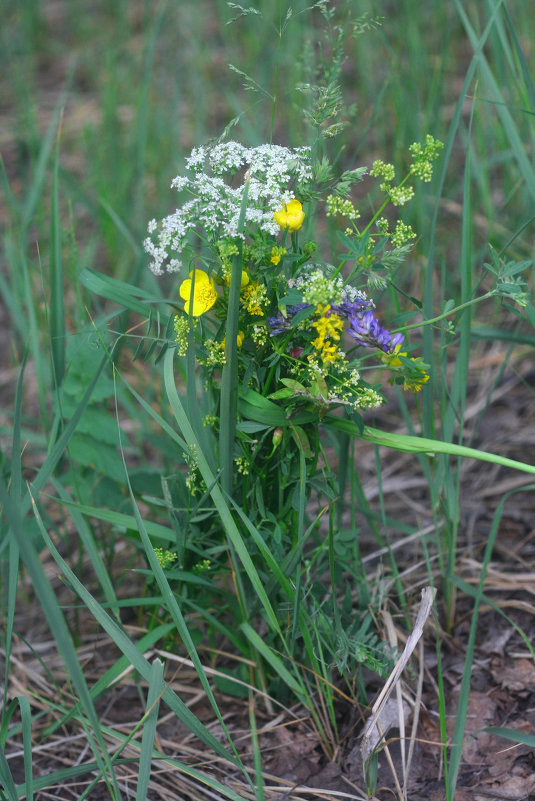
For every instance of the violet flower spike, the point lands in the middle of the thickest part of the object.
(367, 330)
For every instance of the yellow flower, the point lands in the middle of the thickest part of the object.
(392, 359)
(253, 297)
(202, 293)
(329, 329)
(417, 378)
(277, 254)
(239, 340)
(244, 280)
(290, 216)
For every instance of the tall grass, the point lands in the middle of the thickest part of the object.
(102, 107)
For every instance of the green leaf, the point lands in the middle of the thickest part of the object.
(410, 444)
(120, 520)
(149, 729)
(512, 734)
(100, 456)
(101, 426)
(120, 292)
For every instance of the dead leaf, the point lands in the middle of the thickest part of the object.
(516, 675)
(374, 731)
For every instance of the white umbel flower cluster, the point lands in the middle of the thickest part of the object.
(274, 173)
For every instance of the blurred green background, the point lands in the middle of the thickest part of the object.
(139, 84)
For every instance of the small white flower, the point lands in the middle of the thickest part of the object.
(215, 204)
(179, 183)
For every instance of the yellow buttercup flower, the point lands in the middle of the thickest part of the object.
(244, 279)
(239, 340)
(290, 216)
(201, 294)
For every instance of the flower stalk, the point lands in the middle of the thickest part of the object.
(229, 378)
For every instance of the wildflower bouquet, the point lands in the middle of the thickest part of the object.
(292, 333)
(271, 341)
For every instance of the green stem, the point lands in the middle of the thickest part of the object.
(277, 54)
(229, 378)
(486, 296)
(382, 207)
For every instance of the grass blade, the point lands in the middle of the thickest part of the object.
(149, 729)
(229, 378)
(412, 444)
(58, 626)
(7, 779)
(118, 519)
(136, 659)
(512, 734)
(44, 155)
(26, 717)
(56, 310)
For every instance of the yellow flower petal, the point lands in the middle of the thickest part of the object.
(290, 216)
(281, 217)
(199, 295)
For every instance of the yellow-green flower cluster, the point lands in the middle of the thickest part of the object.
(382, 226)
(260, 335)
(181, 325)
(226, 252)
(254, 296)
(202, 566)
(423, 157)
(344, 207)
(402, 234)
(165, 558)
(399, 195)
(367, 398)
(277, 253)
(242, 465)
(319, 289)
(382, 169)
(215, 354)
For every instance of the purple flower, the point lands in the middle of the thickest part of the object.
(279, 323)
(367, 330)
(350, 308)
